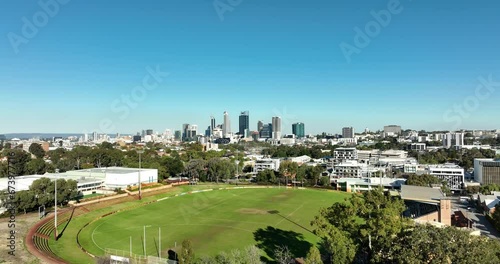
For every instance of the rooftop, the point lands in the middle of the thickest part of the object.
(421, 194)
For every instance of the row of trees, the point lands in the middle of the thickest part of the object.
(282, 151)
(484, 189)
(309, 175)
(463, 157)
(41, 193)
(369, 228)
(249, 255)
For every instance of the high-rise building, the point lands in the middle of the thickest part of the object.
(212, 125)
(178, 135)
(348, 132)
(298, 129)
(149, 132)
(94, 137)
(392, 130)
(453, 140)
(189, 132)
(266, 131)
(226, 127)
(276, 127)
(244, 124)
(260, 125)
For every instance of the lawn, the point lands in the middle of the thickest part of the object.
(215, 221)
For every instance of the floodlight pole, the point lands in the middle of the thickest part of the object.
(140, 193)
(159, 242)
(55, 208)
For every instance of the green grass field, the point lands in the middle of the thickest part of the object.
(215, 221)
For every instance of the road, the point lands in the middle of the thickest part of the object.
(480, 221)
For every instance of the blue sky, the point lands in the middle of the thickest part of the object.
(269, 57)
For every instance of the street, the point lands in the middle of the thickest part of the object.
(480, 221)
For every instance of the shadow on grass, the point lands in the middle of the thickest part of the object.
(270, 239)
(67, 223)
(291, 221)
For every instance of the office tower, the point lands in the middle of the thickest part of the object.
(266, 131)
(85, 137)
(276, 127)
(149, 132)
(298, 129)
(392, 130)
(212, 125)
(260, 125)
(453, 140)
(178, 135)
(226, 127)
(94, 137)
(244, 124)
(208, 132)
(348, 132)
(185, 128)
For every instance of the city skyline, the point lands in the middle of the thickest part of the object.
(298, 60)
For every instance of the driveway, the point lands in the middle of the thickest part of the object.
(480, 221)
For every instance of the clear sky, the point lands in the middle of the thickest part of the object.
(68, 68)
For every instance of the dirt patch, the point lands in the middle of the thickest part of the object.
(23, 222)
(252, 211)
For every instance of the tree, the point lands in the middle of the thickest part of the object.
(266, 176)
(186, 255)
(282, 255)
(37, 150)
(367, 222)
(288, 169)
(313, 256)
(428, 244)
(36, 166)
(174, 165)
(18, 160)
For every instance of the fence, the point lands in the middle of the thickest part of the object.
(125, 257)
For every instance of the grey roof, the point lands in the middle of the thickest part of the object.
(421, 194)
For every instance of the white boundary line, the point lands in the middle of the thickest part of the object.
(194, 192)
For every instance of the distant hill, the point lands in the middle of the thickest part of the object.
(40, 135)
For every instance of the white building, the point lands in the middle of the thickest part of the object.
(276, 127)
(267, 164)
(301, 160)
(226, 127)
(451, 173)
(349, 169)
(453, 140)
(344, 154)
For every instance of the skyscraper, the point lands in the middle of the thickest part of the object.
(348, 132)
(266, 131)
(276, 127)
(212, 125)
(298, 129)
(226, 127)
(244, 124)
(260, 125)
